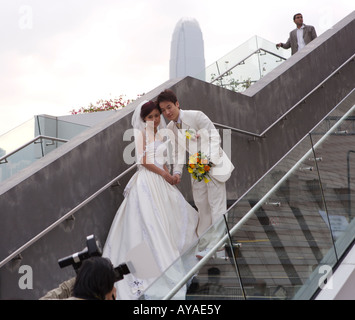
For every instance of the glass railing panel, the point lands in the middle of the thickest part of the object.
(53, 127)
(27, 154)
(39, 125)
(217, 280)
(271, 47)
(268, 62)
(252, 69)
(291, 238)
(229, 60)
(24, 157)
(287, 237)
(241, 76)
(336, 155)
(333, 166)
(17, 137)
(244, 65)
(210, 73)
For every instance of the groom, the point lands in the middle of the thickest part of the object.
(210, 198)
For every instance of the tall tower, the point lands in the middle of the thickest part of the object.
(187, 56)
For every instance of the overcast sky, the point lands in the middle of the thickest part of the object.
(59, 55)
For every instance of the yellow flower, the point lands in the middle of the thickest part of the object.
(192, 159)
(191, 134)
(206, 179)
(201, 171)
(190, 170)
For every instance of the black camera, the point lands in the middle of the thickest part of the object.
(93, 249)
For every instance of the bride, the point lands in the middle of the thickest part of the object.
(153, 211)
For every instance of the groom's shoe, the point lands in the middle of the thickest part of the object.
(221, 254)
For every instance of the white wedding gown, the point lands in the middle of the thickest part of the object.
(153, 212)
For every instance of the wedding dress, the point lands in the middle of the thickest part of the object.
(153, 212)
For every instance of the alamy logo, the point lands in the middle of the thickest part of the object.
(26, 281)
(326, 273)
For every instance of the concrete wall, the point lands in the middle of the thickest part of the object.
(40, 194)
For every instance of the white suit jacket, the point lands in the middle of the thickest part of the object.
(208, 142)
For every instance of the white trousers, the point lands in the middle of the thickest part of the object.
(211, 201)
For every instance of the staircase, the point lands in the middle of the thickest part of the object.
(50, 197)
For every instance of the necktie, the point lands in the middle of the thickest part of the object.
(178, 125)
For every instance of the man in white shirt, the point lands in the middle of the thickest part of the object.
(299, 37)
(300, 40)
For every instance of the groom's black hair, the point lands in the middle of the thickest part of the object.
(167, 95)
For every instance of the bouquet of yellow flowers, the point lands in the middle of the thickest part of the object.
(199, 166)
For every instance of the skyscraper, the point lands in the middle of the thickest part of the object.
(187, 57)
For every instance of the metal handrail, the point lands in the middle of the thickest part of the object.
(64, 217)
(251, 212)
(263, 134)
(238, 130)
(28, 143)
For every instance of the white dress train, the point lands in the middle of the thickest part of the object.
(153, 212)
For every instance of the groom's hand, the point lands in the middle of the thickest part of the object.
(177, 178)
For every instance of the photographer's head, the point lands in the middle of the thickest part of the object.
(95, 280)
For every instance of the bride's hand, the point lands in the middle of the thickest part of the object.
(168, 177)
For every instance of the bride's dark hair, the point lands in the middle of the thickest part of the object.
(148, 107)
